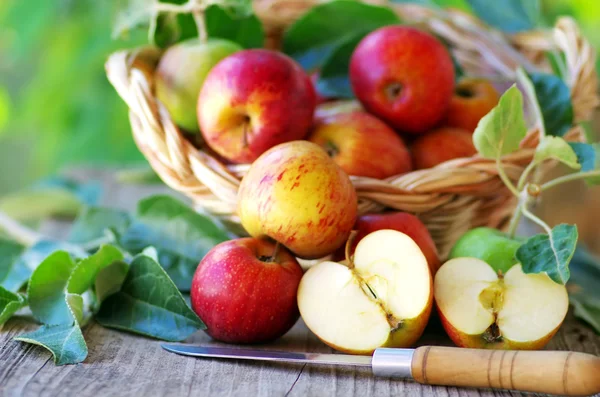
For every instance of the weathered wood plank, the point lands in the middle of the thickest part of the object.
(124, 364)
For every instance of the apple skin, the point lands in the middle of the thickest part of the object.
(181, 73)
(403, 75)
(403, 222)
(472, 99)
(254, 100)
(295, 194)
(441, 145)
(243, 299)
(362, 145)
(490, 245)
(461, 339)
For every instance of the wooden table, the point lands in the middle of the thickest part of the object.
(121, 364)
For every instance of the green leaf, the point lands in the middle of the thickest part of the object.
(511, 16)
(84, 273)
(172, 28)
(89, 193)
(556, 148)
(247, 30)
(180, 235)
(47, 288)
(550, 253)
(110, 279)
(333, 79)
(64, 341)
(9, 304)
(588, 155)
(315, 35)
(554, 98)
(10, 251)
(150, 304)
(583, 287)
(32, 257)
(503, 128)
(37, 204)
(93, 223)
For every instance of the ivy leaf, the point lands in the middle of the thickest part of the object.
(88, 193)
(180, 235)
(46, 290)
(315, 35)
(503, 128)
(588, 155)
(9, 304)
(511, 16)
(246, 30)
(556, 148)
(150, 304)
(10, 251)
(554, 98)
(93, 223)
(583, 287)
(550, 253)
(64, 341)
(333, 79)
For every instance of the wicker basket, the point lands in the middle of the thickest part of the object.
(450, 198)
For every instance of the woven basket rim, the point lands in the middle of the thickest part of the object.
(213, 185)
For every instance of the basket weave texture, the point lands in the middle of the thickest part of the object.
(450, 198)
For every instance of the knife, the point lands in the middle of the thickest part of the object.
(554, 372)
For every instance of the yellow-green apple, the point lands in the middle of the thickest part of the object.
(403, 222)
(253, 100)
(440, 145)
(295, 194)
(181, 73)
(382, 297)
(244, 290)
(490, 245)
(472, 99)
(480, 308)
(403, 75)
(362, 145)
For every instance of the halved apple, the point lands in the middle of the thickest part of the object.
(480, 308)
(383, 297)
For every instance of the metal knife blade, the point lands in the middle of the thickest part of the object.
(267, 355)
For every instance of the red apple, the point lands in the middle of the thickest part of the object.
(473, 99)
(362, 145)
(403, 75)
(253, 100)
(441, 145)
(243, 294)
(403, 222)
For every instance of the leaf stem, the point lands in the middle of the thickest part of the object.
(536, 220)
(525, 175)
(514, 221)
(505, 178)
(530, 91)
(19, 232)
(568, 178)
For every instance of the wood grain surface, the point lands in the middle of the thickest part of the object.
(121, 364)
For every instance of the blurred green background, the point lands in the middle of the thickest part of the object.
(57, 108)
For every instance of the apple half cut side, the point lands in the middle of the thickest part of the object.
(383, 298)
(481, 309)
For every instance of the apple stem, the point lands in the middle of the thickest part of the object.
(273, 257)
(349, 256)
(245, 135)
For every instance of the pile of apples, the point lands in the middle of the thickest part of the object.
(373, 280)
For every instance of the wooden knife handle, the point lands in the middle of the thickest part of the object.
(553, 372)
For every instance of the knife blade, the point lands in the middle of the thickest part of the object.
(553, 372)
